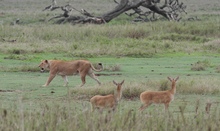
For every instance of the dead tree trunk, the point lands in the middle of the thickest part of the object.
(170, 10)
(122, 7)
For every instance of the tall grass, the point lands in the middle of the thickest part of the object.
(55, 117)
(51, 109)
(199, 86)
(142, 40)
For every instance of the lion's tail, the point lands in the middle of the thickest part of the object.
(97, 70)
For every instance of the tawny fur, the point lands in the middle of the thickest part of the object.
(158, 97)
(68, 68)
(109, 101)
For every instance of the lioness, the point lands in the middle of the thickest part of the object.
(68, 68)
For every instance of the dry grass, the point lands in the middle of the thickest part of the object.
(114, 40)
(218, 69)
(68, 117)
(213, 45)
(201, 85)
(37, 108)
(200, 65)
(131, 90)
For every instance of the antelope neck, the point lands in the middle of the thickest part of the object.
(118, 95)
(173, 90)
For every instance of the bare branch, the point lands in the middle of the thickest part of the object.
(170, 9)
(84, 12)
(52, 7)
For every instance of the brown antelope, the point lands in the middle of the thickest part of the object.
(158, 97)
(108, 101)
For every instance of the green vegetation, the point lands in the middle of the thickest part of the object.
(64, 118)
(123, 40)
(143, 54)
(200, 65)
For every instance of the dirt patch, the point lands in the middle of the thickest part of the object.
(10, 91)
(112, 74)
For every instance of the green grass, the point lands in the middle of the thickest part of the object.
(28, 105)
(142, 54)
(123, 40)
(73, 114)
(143, 73)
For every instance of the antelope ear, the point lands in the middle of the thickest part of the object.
(177, 78)
(169, 78)
(115, 82)
(122, 82)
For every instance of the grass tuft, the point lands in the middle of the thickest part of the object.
(218, 69)
(200, 65)
(113, 68)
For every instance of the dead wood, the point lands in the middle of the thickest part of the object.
(169, 9)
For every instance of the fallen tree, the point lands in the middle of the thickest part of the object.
(169, 9)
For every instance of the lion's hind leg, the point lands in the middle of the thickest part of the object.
(92, 75)
(65, 80)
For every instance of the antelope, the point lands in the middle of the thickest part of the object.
(158, 97)
(108, 101)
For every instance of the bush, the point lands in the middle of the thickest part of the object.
(164, 86)
(200, 65)
(116, 67)
(218, 69)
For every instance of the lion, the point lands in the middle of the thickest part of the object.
(69, 68)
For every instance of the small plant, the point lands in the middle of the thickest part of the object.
(212, 45)
(17, 57)
(200, 65)
(17, 51)
(104, 90)
(131, 92)
(218, 69)
(116, 67)
(27, 68)
(208, 107)
(167, 45)
(136, 34)
(163, 86)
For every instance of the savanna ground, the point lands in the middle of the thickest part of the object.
(142, 54)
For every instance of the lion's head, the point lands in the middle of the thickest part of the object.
(44, 65)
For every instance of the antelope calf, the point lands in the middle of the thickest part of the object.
(158, 97)
(108, 101)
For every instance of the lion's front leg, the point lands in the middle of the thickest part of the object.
(49, 79)
(65, 80)
(83, 79)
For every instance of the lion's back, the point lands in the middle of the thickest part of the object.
(69, 67)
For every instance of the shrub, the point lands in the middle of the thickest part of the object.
(198, 86)
(164, 86)
(105, 89)
(16, 57)
(116, 67)
(212, 45)
(218, 69)
(132, 92)
(136, 34)
(200, 65)
(17, 51)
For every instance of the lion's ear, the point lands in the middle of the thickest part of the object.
(46, 61)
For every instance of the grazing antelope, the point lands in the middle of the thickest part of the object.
(158, 97)
(108, 101)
